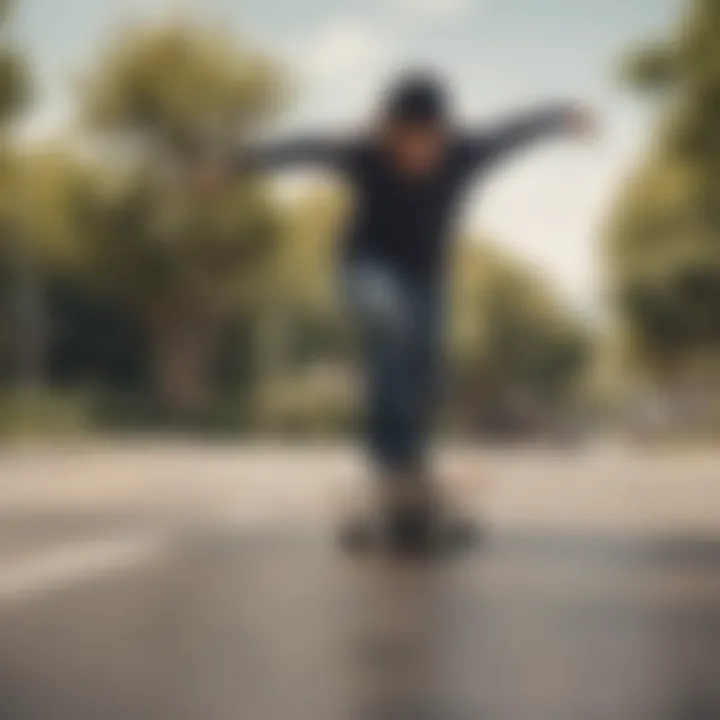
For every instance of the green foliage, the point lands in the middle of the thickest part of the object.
(304, 339)
(14, 77)
(53, 190)
(183, 265)
(120, 228)
(157, 248)
(303, 308)
(48, 413)
(14, 93)
(319, 400)
(514, 343)
(171, 306)
(665, 234)
(654, 67)
(14, 83)
(180, 85)
(511, 336)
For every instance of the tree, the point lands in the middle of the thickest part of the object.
(518, 352)
(184, 266)
(14, 85)
(184, 277)
(307, 384)
(179, 87)
(304, 317)
(14, 93)
(87, 335)
(665, 234)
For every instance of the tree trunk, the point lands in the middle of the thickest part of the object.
(184, 352)
(28, 322)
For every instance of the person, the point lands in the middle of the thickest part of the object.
(408, 175)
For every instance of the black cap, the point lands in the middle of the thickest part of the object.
(417, 97)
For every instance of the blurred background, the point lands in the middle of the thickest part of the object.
(178, 395)
(586, 285)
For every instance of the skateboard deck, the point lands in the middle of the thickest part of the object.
(368, 526)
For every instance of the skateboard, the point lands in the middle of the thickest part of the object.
(423, 526)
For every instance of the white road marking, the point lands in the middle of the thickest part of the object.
(69, 563)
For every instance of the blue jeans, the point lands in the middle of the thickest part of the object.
(400, 324)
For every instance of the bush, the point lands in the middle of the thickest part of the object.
(26, 413)
(320, 401)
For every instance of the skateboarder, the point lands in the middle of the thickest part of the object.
(408, 174)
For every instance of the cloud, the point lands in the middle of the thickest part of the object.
(439, 8)
(344, 49)
(341, 63)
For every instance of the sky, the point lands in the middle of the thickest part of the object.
(547, 206)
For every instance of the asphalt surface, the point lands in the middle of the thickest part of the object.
(140, 594)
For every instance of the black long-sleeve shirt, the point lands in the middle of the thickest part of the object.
(397, 219)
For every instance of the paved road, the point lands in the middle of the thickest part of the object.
(163, 581)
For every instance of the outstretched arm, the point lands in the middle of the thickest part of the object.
(213, 172)
(527, 128)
